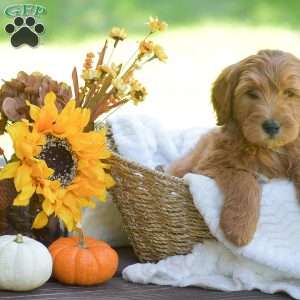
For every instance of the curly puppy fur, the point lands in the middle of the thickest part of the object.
(257, 103)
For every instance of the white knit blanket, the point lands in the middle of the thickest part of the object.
(270, 263)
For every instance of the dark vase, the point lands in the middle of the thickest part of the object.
(19, 219)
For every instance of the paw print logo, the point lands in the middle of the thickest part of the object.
(24, 31)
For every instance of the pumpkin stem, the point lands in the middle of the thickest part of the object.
(82, 243)
(19, 238)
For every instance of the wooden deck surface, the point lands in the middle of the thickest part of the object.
(117, 289)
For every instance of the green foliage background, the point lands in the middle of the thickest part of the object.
(77, 20)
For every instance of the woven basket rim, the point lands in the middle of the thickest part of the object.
(148, 169)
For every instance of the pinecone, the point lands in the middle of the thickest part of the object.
(33, 87)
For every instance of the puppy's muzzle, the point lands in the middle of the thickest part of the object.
(271, 127)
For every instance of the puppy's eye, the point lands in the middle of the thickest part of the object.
(289, 93)
(252, 94)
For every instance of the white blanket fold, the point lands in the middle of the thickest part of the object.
(270, 263)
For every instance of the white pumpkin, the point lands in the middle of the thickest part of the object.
(25, 264)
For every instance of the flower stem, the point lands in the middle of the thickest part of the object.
(19, 238)
(136, 52)
(111, 55)
(82, 243)
(109, 114)
(102, 54)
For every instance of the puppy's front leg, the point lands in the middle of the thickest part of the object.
(240, 212)
(180, 167)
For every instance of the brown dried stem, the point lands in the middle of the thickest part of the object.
(75, 85)
(102, 54)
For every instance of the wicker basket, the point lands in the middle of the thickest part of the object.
(157, 211)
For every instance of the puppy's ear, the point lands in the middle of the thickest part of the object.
(222, 93)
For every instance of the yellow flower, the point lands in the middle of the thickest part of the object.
(146, 47)
(156, 25)
(57, 160)
(118, 34)
(108, 70)
(88, 63)
(121, 87)
(138, 91)
(90, 74)
(160, 53)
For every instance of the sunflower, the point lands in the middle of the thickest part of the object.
(58, 161)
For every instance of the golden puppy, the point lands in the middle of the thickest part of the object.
(257, 103)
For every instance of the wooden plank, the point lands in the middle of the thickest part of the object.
(117, 289)
(120, 289)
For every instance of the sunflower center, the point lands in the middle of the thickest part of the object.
(58, 155)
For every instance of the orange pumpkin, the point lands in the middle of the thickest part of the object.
(83, 260)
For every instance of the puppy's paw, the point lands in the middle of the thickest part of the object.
(239, 228)
(177, 169)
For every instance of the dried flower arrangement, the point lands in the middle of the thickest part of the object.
(59, 158)
(108, 85)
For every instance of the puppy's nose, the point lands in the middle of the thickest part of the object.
(271, 127)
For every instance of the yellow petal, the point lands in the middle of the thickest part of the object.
(50, 99)
(58, 204)
(34, 111)
(63, 120)
(78, 117)
(40, 220)
(91, 169)
(85, 118)
(9, 171)
(37, 138)
(48, 114)
(91, 145)
(101, 196)
(24, 150)
(86, 202)
(24, 196)
(65, 215)
(83, 187)
(27, 142)
(48, 194)
(48, 208)
(71, 202)
(18, 130)
(22, 177)
(41, 170)
(109, 181)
